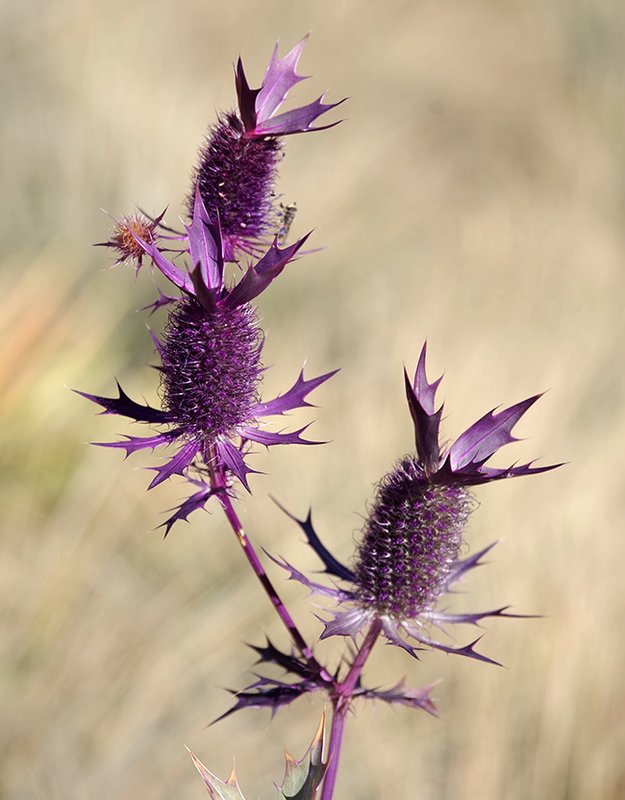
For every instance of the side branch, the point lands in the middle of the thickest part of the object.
(218, 482)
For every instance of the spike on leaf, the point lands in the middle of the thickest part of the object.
(302, 778)
(218, 790)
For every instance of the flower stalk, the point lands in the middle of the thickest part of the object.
(219, 487)
(341, 705)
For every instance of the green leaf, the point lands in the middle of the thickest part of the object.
(218, 790)
(303, 778)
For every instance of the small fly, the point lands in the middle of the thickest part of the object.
(288, 215)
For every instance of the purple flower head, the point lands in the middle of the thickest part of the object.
(211, 369)
(237, 163)
(410, 552)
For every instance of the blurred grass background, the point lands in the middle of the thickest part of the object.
(475, 195)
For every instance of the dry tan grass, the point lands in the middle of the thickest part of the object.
(473, 196)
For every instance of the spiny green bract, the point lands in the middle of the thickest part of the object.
(301, 778)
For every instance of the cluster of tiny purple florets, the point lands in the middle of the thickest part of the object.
(212, 413)
(211, 368)
(235, 177)
(210, 351)
(411, 541)
(410, 553)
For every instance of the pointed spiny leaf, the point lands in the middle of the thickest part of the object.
(176, 465)
(133, 443)
(290, 663)
(126, 407)
(299, 120)
(315, 588)
(259, 276)
(399, 694)
(247, 98)
(491, 432)
(280, 78)
(443, 617)
(271, 694)
(468, 650)
(295, 397)
(302, 778)
(205, 245)
(169, 270)
(234, 461)
(187, 507)
(268, 438)
(218, 790)
(163, 300)
(332, 565)
(465, 565)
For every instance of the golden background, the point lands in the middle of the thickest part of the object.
(475, 195)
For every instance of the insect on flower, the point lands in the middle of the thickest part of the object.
(237, 163)
(210, 353)
(211, 368)
(288, 215)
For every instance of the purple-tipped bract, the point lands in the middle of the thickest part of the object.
(410, 552)
(237, 164)
(211, 368)
(258, 107)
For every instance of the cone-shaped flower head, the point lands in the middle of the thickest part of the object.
(211, 367)
(410, 551)
(237, 164)
(412, 539)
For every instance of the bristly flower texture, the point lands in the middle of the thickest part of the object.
(211, 415)
(410, 552)
(210, 353)
(236, 170)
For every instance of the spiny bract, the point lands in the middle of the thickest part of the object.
(410, 552)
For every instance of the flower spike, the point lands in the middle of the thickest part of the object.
(211, 348)
(211, 366)
(238, 161)
(410, 552)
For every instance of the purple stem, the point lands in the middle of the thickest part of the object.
(342, 702)
(218, 482)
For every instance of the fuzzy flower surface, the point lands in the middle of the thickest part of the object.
(211, 368)
(410, 553)
(237, 163)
